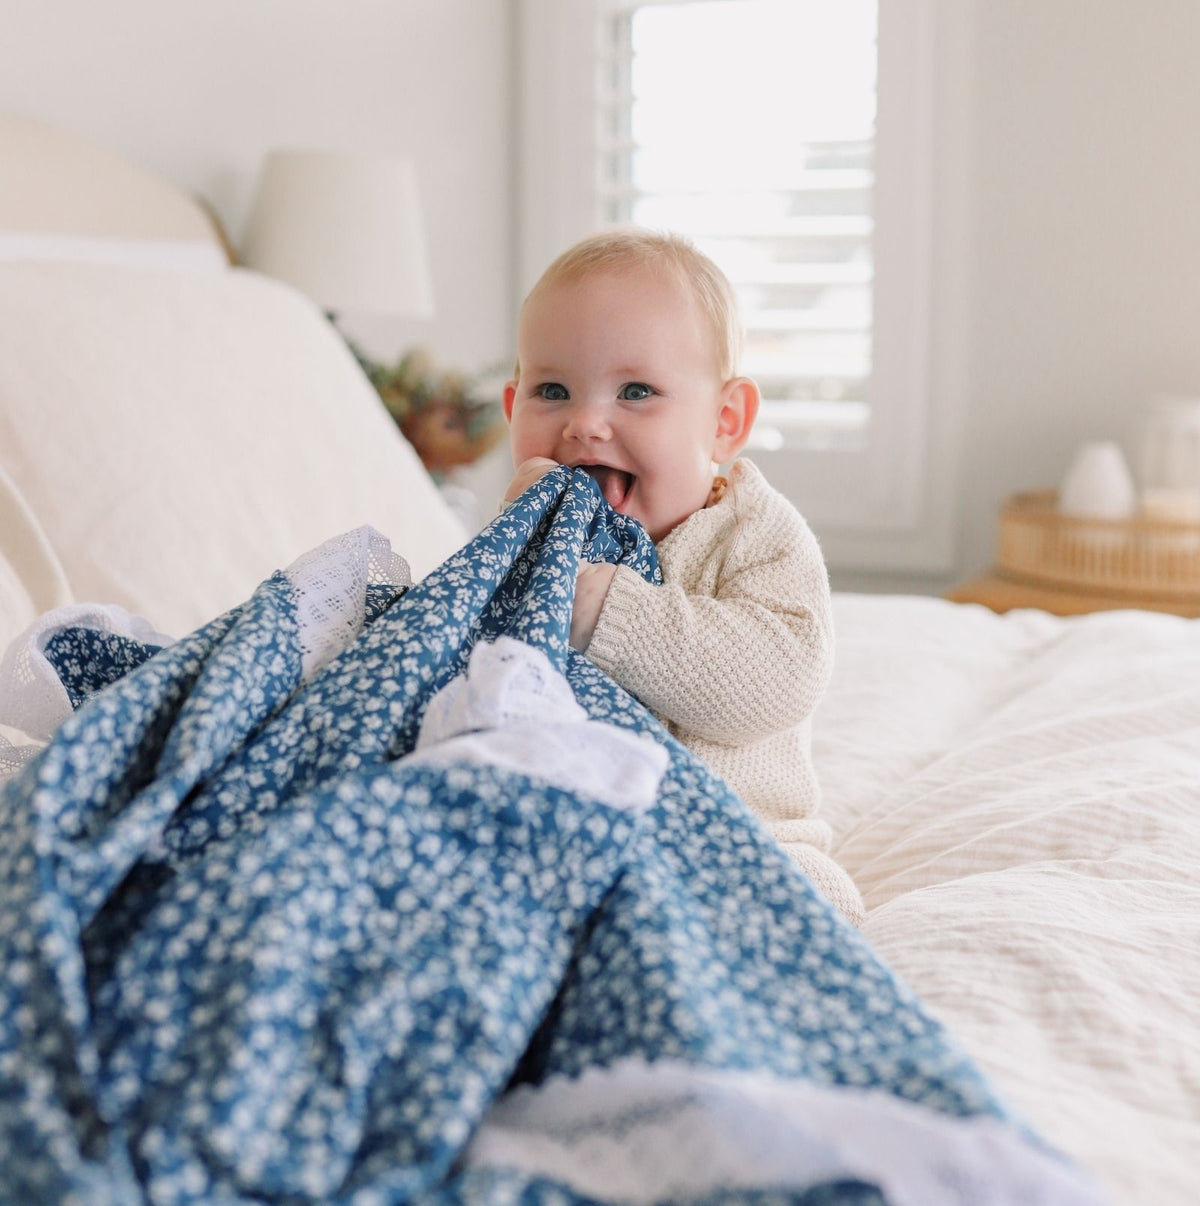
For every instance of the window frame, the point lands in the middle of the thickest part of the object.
(870, 506)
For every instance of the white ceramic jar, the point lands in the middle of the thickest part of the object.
(1170, 444)
(1098, 484)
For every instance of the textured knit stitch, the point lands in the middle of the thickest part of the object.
(732, 653)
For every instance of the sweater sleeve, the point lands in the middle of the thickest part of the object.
(751, 660)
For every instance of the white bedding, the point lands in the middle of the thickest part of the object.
(1018, 798)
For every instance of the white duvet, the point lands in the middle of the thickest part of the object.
(1018, 797)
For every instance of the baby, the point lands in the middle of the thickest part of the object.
(628, 351)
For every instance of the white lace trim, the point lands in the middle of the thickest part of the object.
(31, 697)
(512, 709)
(13, 756)
(330, 584)
(640, 1132)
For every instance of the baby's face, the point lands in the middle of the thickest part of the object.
(619, 376)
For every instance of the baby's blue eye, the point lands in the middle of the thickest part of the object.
(635, 391)
(553, 392)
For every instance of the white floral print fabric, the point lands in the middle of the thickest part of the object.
(252, 954)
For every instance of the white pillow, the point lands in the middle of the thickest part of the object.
(180, 435)
(135, 253)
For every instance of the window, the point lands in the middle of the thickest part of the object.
(790, 139)
(786, 213)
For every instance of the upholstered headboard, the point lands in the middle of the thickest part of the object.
(63, 197)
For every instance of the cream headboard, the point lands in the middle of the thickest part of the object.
(64, 198)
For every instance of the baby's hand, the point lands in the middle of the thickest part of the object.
(527, 473)
(591, 586)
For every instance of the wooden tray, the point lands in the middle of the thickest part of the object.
(1136, 558)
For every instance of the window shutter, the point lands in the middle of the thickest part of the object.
(749, 126)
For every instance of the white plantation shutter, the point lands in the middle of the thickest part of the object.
(791, 140)
(787, 214)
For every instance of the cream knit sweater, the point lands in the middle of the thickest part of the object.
(732, 653)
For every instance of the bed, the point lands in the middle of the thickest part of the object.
(1016, 796)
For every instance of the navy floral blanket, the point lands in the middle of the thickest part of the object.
(266, 936)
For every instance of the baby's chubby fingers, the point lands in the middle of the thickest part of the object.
(591, 588)
(527, 473)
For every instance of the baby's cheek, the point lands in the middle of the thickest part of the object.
(530, 440)
(523, 447)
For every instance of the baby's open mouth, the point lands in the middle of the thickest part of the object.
(614, 484)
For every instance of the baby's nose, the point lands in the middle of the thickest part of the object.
(588, 421)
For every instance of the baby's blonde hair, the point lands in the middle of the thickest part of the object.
(635, 247)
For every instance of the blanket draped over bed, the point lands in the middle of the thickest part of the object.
(261, 945)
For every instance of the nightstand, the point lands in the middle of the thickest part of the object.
(1006, 594)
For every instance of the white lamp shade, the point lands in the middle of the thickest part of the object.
(345, 228)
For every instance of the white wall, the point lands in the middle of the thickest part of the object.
(1067, 271)
(198, 90)
(1084, 234)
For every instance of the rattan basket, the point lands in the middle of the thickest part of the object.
(1138, 558)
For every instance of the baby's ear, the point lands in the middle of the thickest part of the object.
(739, 409)
(510, 394)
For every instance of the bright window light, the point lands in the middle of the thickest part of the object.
(749, 125)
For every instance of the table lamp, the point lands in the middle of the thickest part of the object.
(343, 227)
